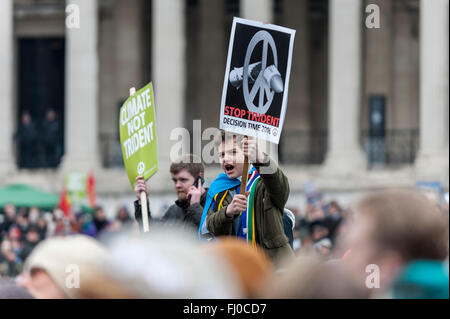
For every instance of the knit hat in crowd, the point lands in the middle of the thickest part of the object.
(62, 258)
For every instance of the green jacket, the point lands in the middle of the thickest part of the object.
(271, 195)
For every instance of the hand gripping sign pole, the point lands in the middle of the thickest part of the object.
(143, 195)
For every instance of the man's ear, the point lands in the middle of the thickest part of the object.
(201, 175)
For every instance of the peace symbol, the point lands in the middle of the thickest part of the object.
(141, 167)
(260, 84)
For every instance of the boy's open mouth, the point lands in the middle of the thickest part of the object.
(229, 168)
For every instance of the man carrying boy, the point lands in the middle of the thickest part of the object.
(256, 216)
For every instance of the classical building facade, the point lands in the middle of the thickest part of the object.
(368, 107)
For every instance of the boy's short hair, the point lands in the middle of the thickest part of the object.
(222, 136)
(189, 162)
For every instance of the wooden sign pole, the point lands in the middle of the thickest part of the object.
(244, 176)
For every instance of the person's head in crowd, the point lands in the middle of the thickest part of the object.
(10, 212)
(58, 214)
(51, 115)
(10, 261)
(26, 118)
(10, 290)
(185, 171)
(316, 212)
(166, 263)
(59, 266)
(33, 215)
(75, 225)
(33, 236)
(123, 215)
(99, 214)
(22, 219)
(7, 251)
(319, 230)
(42, 226)
(250, 264)
(334, 209)
(14, 233)
(231, 155)
(59, 222)
(310, 277)
(100, 220)
(393, 228)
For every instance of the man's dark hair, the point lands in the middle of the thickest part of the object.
(190, 163)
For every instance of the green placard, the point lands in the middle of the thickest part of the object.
(138, 140)
(75, 183)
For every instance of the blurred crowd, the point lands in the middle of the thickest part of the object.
(22, 229)
(390, 244)
(318, 226)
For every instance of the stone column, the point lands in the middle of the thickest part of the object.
(344, 153)
(6, 89)
(433, 159)
(259, 10)
(81, 117)
(168, 66)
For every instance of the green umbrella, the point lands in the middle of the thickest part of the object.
(22, 195)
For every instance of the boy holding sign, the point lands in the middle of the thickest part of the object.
(256, 216)
(254, 102)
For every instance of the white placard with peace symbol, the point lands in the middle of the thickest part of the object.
(256, 83)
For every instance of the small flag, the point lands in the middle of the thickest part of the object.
(64, 203)
(91, 189)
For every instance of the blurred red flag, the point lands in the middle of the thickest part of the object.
(64, 203)
(91, 189)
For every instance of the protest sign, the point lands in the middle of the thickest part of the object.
(78, 191)
(255, 91)
(75, 184)
(137, 129)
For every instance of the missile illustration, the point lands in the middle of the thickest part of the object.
(271, 75)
